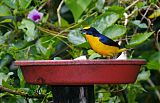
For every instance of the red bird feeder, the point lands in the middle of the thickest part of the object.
(80, 72)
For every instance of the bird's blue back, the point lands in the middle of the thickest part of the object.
(104, 39)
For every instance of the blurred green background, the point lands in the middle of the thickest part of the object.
(57, 36)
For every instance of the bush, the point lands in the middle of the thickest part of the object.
(50, 29)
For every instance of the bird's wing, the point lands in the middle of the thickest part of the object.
(107, 41)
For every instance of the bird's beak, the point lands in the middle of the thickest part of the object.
(83, 31)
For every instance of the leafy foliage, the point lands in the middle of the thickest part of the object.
(78, 8)
(138, 39)
(29, 28)
(105, 20)
(135, 24)
(115, 31)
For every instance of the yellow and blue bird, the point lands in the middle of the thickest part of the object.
(101, 43)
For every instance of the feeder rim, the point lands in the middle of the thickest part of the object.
(78, 62)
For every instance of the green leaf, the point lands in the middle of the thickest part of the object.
(7, 84)
(44, 46)
(21, 44)
(24, 3)
(105, 20)
(144, 75)
(155, 14)
(139, 24)
(29, 28)
(40, 48)
(4, 77)
(75, 37)
(14, 4)
(138, 39)
(117, 9)
(21, 78)
(77, 7)
(13, 51)
(154, 61)
(133, 91)
(84, 45)
(11, 3)
(153, 1)
(140, 4)
(6, 21)
(4, 11)
(57, 58)
(115, 99)
(103, 94)
(5, 37)
(90, 52)
(4, 69)
(2, 39)
(6, 59)
(115, 31)
(64, 23)
(94, 56)
(100, 4)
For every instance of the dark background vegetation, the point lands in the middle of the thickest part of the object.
(136, 23)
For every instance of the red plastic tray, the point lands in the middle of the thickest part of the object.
(80, 72)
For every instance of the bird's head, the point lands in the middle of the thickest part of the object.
(89, 31)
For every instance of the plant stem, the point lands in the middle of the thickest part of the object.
(53, 33)
(156, 91)
(157, 40)
(15, 92)
(132, 5)
(58, 13)
(76, 25)
(144, 16)
(44, 4)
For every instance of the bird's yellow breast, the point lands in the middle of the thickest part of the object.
(100, 47)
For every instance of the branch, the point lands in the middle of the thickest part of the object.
(156, 40)
(51, 32)
(76, 25)
(144, 16)
(132, 4)
(44, 4)
(58, 13)
(156, 91)
(23, 94)
(148, 20)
